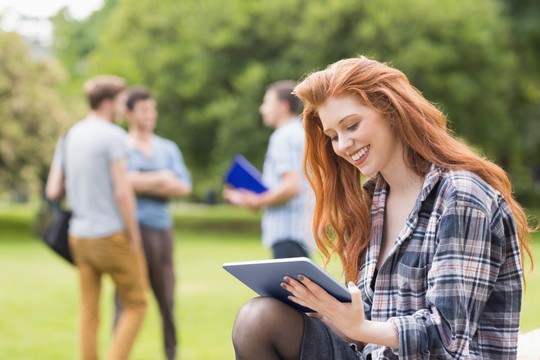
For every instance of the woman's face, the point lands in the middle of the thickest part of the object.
(360, 135)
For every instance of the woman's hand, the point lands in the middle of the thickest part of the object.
(345, 319)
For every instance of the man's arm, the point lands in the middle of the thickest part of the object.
(162, 183)
(125, 199)
(54, 189)
(288, 188)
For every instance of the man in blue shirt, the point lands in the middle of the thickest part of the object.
(286, 221)
(157, 173)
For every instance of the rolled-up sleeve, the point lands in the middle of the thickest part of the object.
(59, 156)
(468, 284)
(177, 164)
(290, 154)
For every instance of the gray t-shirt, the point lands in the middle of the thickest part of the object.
(91, 146)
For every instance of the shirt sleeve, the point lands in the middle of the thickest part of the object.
(290, 154)
(471, 277)
(177, 164)
(58, 157)
(117, 146)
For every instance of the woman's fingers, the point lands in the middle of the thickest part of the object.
(301, 302)
(301, 294)
(302, 286)
(307, 293)
(343, 317)
(295, 287)
(315, 315)
(356, 296)
(318, 291)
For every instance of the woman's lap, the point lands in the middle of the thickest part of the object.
(319, 342)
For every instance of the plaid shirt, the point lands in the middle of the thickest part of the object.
(452, 284)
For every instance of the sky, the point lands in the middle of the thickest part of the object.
(30, 17)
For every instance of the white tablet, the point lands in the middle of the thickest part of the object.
(265, 277)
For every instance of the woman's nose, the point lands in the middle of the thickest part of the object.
(345, 143)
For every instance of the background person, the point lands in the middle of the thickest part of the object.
(286, 202)
(103, 232)
(157, 173)
(430, 243)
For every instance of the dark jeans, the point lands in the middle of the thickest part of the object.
(321, 343)
(288, 249)
(158, 249)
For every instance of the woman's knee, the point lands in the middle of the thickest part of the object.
(267, 328)
(263, 313)
(255, 310)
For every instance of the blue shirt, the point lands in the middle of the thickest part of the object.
(452, 283)
(154, 212)
(289, 221)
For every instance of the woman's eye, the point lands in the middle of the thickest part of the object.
(352, 127)
(333, 138)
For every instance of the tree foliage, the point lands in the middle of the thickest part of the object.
(525, 32)
(75, 39)
(32, 113)
(209, 62)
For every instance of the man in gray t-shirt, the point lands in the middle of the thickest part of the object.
(92, 145)
(89, 166)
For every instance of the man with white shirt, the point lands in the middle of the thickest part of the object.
(89, 166)
(286, 218)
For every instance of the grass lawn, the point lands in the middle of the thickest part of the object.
(39, 295)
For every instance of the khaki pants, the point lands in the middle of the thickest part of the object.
(111, 255)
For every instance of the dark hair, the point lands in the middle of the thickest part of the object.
(284, 89)
(103, 87)
(136, 94)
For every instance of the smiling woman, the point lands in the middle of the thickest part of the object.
(429, 235)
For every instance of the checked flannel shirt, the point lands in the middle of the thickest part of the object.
(452, 284)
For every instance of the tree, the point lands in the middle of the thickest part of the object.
(75, 39)
(525, 34)
(209, 65)
(31, 111)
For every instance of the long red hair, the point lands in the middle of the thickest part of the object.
(341, 217)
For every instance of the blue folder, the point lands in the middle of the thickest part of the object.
(243, 175)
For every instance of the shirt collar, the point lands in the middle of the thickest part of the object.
(377, 184)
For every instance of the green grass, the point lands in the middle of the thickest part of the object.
(530, 311)
(39, 294)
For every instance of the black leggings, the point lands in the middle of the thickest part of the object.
(267, 329)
